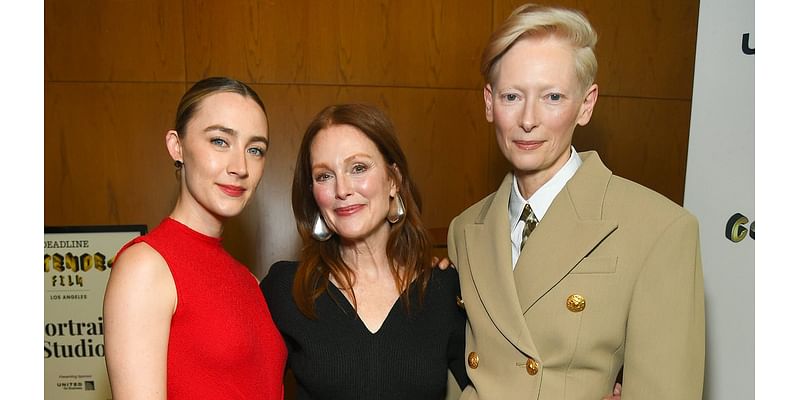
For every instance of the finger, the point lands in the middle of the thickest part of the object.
(617, 389)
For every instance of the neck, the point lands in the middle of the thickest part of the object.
(367, 256)
(528, 182)
(194, 216)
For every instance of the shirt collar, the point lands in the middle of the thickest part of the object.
(541, 199)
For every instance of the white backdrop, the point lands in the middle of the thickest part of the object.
(720, 178)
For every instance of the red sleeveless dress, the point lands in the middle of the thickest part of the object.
(222, 341)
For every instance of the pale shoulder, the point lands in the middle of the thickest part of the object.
(139, 303)
(141, 260)
(137, 270)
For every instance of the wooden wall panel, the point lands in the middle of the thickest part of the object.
(129, 62)
(644, 140)
(645, 48)
(362, 42)
(441, 131)
(113, 40)
(645, 55)
(105, 157)
(418, 60)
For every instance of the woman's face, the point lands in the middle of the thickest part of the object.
(535, 104)
(351, 186)
(223, 152)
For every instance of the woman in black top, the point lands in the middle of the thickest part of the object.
(363, 314)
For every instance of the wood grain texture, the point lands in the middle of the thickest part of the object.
(644, 48)
(114, 40)
(130, 61)
(356, 42)
(644, 140)
(105, 161)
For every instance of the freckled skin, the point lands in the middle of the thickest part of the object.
(351, 183)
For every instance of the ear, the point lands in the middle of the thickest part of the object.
(488, 102)
(174, 145)
(396, 179)
(589, 100)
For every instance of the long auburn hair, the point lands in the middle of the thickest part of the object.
(409, 245)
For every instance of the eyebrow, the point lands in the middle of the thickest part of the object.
(348, 159)
(354, 156)
(234, 132)
(221, 128)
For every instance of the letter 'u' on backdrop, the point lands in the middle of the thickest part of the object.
(720, 191)
(77, 263)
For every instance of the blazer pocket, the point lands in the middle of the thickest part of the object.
(596, 265)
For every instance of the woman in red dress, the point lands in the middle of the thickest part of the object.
(183, 319)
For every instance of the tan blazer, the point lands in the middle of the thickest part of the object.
(630, 254)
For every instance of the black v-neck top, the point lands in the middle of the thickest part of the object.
(336, 357)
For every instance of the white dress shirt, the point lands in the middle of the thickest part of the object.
(540, 201)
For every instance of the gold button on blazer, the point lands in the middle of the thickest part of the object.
(610, 277)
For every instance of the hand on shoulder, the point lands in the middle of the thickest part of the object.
(442, 264)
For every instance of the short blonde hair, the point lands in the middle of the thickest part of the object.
(531, 20)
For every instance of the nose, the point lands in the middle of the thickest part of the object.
(528, 118)
(237, 165)
(343, 187)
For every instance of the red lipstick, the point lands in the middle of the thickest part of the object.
(232, 190)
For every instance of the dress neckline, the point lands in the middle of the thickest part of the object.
(350, 309)
(169, 221)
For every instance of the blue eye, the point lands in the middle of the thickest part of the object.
(554, 97)
(219, 142)
(256, 151)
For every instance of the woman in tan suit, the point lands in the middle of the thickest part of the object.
(567, 271)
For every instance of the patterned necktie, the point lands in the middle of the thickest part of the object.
(530, 224)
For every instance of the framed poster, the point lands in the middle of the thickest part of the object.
(76, 270)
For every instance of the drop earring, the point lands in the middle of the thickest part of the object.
(398, 210)
(320, 230)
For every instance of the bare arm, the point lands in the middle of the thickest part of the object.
(139, 302)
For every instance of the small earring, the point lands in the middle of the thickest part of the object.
(320, 231)
(397, 211)
(178, 164)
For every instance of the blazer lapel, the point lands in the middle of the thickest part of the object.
(489, 254)
(572, 227)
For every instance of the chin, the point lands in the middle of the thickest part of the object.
(229, 211)
(526, 166)
(356, 233)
